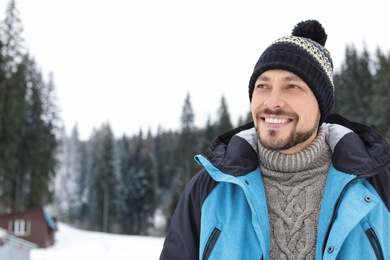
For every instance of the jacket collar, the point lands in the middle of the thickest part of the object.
(357, 149)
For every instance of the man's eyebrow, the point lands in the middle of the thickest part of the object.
(291, 78)
(263, 78)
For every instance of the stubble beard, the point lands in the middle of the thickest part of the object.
(292, 140)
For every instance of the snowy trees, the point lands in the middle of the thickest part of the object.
(119, 185)
(68, 183)
(380, 105)
(362, 89)
(27, 123)
(105, 184)
(354, 86)
(136, 187)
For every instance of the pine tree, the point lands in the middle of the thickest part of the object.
(208, 135)
(81, 209)
(136, 189)
(124, 199)
(380, 106)
(12, 141)
(150, 184)
(12, 39)
(67, 181)
(187, 144)
(27, 141)
(354, 86)
(40, 139)
(103, 180)
(167, 158)
(224, 123)
(13, 109)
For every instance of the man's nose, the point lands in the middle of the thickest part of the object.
(275, 100)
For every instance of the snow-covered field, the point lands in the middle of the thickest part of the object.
(75, 244)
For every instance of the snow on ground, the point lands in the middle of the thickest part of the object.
(75, 244)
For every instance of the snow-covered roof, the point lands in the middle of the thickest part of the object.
(8, 238)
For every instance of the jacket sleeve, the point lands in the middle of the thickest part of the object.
(182, 240)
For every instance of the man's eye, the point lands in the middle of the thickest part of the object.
(294, 87)
(262, 86)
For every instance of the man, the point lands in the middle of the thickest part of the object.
(297, 183)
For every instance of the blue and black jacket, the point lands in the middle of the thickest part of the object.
(222, 213)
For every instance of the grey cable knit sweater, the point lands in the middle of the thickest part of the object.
(294, 187)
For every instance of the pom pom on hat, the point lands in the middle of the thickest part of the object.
(303, 53)
(311, 29)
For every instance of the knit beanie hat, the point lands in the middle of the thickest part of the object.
(303, 53)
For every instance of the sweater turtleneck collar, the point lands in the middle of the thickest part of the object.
(311, 157)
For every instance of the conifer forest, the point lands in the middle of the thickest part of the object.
(128, 184)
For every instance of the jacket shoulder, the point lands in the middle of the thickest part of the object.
(182, 240)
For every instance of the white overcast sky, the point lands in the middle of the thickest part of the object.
(131, 63)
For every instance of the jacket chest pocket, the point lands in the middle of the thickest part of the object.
(211, 243)
(374, 241)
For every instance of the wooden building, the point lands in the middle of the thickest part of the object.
(36, 226)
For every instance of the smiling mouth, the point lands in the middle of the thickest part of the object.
(273, 120)
(276, 120)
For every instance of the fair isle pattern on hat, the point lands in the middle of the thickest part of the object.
(320, 53)
(304, 54)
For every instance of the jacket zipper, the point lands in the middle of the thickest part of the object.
(374, 241)
(211, 243)
(336, 205)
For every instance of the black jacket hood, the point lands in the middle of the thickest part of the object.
(358, 150)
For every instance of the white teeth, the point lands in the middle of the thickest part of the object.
(275, 120)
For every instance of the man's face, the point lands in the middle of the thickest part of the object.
(285, 111)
